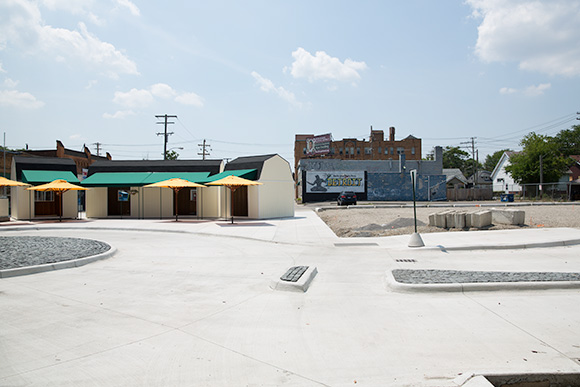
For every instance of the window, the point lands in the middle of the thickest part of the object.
(380, 150)
(500, 180)
(413, 150)
(352, 150)
(368, 151)
(340, 151)
(392, 152)
(400, 150)
(358, 151)
(304, 151)
(346, 149)
(44, 196)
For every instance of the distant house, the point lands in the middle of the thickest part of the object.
(483, 179)
(502, 180)
(454, 178)
(574, 168)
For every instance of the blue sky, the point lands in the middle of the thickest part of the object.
(247, 76)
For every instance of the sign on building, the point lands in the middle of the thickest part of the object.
(334, 181)
(318, 145)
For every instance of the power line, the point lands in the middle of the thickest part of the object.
(204, 152)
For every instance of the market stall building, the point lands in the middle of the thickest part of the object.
(35, 171)
(117, 189)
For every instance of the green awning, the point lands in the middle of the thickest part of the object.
(194, 177)
(116, 179)
(249, 174)
(41, 177)
(138, 179)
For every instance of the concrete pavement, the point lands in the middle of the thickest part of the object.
(189, 303)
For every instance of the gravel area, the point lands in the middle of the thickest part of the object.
(29, 251)
(408, 276)
(371, 222)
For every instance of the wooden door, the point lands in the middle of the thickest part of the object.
(117, 206)
(240, 201)
(186, 201)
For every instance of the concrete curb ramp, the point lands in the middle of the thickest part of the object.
(57, 265)
(397, 286)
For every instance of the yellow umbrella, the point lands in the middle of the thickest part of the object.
(233, 183)
(4, 182)
(59, 186)
(175, 184)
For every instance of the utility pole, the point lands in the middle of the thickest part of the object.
(204, 152)
(541, 176)
(98, 144)
(473, 157)
(165, 134)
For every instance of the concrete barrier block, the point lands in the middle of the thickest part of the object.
(459, 220)
(478, 219)
(513, 217)
(439, 219)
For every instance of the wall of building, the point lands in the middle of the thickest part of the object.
(398, 186)
(96, 202)
(275, 198)
(384, 179)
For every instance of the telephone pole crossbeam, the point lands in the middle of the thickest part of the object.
(165, 134)
(204, 152)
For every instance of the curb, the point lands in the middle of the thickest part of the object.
(393, 284)
(7, 273)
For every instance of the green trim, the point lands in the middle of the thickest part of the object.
(249, 174)
(138, 179)
(41, 177)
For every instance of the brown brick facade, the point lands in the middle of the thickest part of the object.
(376, 148)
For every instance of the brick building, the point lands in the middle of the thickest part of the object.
(376, 148)
(82, 159)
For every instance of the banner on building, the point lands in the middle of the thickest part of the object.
(335, 181)
(318, 145)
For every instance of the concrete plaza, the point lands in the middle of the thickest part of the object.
(189, 303)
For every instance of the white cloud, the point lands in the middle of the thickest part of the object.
(130, 6)
(268, 86)
(1, 69)
(323, 66)
(10, 83)
(163, 90)
(137, 98)
(541, 35)
(13, 98)
(134, 98)
(91, 83)
(189, 99)
(530, 91)
(507, 90)
(21, 27)
(119, 114)
(534, 91)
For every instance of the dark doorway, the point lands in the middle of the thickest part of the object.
(240, 201)
(47, 203)
(119, 201)
(186, 202)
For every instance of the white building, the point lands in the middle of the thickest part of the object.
(502, 180)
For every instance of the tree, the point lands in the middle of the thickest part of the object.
(525, 165)
(492, 160)
(568, 141)
(171, 155)
(454, 157)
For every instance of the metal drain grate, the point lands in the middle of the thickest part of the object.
(406, 260)
(294, 273)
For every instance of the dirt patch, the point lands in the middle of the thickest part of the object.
(372, 222)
